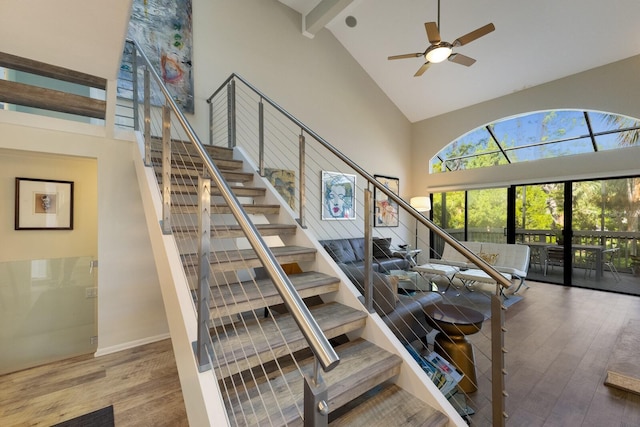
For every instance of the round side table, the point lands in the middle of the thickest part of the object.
(454, 323)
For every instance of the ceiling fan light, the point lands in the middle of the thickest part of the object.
(438, 54)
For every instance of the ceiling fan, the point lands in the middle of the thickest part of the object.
(440, 50)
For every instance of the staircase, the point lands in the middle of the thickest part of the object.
(260, 353)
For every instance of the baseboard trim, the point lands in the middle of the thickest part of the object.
(131, 344)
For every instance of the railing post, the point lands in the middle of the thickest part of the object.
(261, 138)
(166, 169)
(231, 113)
(368, 250)
(210, 123)
(316, 409)
(498, 371)
(203, 345)
(147, 116)
(301, 183)
(134, 86)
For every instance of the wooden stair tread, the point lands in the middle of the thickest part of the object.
(362, 366)
(392, 406)
(236, 298)
(229, 231)
(182, 174)
(186, 147)
(247, 258)
(240, 347)
(196, 162)
(240, 191)
(253, 209)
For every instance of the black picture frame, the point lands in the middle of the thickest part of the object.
(43, 204)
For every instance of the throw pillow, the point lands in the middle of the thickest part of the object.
(340, 251)
(382, 248)
(488, 258)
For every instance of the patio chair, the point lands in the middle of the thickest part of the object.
(553, 255)
(608, 260)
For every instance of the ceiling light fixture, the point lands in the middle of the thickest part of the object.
(438, 53)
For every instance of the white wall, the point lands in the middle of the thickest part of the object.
(130, 307)
(611, 88)
(314, 79)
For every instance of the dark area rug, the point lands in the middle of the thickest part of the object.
(100, 418)
(479, 299)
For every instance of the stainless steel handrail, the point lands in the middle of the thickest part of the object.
(482, 264)
(318, 342)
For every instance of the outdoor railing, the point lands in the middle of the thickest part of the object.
(625, 258)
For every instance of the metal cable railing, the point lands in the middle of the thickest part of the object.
(239, 331)
(294, 159)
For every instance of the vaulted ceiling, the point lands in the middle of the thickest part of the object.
(534, 42)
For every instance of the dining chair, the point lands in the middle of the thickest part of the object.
(554, 255)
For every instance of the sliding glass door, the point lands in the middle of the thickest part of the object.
(582, 233)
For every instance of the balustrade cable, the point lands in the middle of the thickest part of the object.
(257, 118)
(293, 157)
(190, 163)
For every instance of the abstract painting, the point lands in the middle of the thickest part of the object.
(385, 210)
(163, 30)
(284, 181)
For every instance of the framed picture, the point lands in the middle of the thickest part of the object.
(338, 196)
(284, 181)
(385, 210)
(43, 204)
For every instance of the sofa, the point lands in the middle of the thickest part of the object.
(403, 314)
(511, 259)
(350, 251)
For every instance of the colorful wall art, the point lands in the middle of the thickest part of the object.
(163, 30)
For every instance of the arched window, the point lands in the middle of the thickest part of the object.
(535, 136)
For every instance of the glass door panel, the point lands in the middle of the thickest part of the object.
(448, 212)
(540, 224)
(606, 232)
(487, 215)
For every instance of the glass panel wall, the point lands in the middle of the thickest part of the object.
(48, 311)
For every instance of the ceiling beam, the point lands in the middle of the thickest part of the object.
(321, 15)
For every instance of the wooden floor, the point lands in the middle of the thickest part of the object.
(559, 341)
(142, 385)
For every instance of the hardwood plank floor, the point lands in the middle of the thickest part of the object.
(559, 341)
(142, 385)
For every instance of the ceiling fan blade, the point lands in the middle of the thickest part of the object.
(473, 35)
(433, 34)
(408, 55)
(422, 69)
(461, 59)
